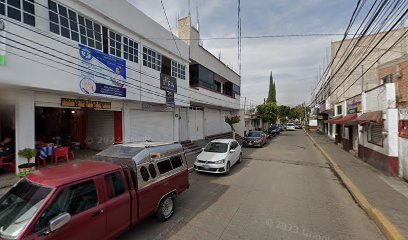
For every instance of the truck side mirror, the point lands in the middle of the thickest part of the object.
(59, 221)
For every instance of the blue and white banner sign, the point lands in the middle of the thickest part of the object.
(101, 73)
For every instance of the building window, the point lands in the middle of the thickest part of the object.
(130, 50)
(151, 59)
(20, 10)
(115, 44)
(375, 134)
(339, 110)
(90, 33)
(178, 70)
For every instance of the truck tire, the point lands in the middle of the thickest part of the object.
(166, 208)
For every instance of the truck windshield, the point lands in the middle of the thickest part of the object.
(19, 205)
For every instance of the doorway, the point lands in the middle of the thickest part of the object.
(196, 123)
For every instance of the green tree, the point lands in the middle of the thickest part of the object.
(284, 112)
(269, 112)
(272, 91)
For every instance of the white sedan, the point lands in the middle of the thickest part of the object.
(290, 127)
(219, 156)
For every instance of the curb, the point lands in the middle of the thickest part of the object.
(387, 228)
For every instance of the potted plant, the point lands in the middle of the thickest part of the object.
(27, 168)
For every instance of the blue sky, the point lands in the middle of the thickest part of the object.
(295, 62)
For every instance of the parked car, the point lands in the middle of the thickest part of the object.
(96, 199)
(219, 156)
(255, 139)
(298, 126)
(274, 130)
(290, 127)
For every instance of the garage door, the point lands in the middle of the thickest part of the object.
(154, 126)
(213, 122)
(100, 129)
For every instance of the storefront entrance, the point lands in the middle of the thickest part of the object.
(7, 139)
(83, 131)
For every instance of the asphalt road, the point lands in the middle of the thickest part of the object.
(285, 190)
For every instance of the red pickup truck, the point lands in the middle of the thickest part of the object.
(95, 199)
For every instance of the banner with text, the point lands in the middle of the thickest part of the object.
(101, 73)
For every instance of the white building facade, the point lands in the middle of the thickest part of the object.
(101, 73)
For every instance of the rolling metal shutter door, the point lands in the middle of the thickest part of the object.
(101, 129)
(213, 123)
(154, 126)
(183, 129)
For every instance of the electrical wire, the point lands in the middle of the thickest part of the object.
(135, 70)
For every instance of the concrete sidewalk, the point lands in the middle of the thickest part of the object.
(387, 194)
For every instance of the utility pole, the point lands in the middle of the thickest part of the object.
(244, 105)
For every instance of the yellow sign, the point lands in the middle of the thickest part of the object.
(66, 102)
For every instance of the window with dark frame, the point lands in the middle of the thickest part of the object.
(164, 166)
(20, 10)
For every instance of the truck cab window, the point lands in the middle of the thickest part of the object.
(114, 184)
(73, 200)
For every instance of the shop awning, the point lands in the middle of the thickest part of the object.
(370, 117)
(333, 119)
(346, 120)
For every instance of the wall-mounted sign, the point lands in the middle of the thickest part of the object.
(168, 83)
(170, 102)
(66, 102)
(354, 105)
(403, 128)
(101, 73)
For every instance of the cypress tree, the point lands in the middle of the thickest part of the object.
(272, 91)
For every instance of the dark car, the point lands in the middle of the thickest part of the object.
(255, 139)
(274, 130)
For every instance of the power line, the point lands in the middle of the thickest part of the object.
(168, 23)
(70, 45)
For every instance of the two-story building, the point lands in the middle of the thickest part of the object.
(95, 73)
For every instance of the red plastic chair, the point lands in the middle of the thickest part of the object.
(62, 152)
(11, 165)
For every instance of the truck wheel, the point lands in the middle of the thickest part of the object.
(165, 209)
